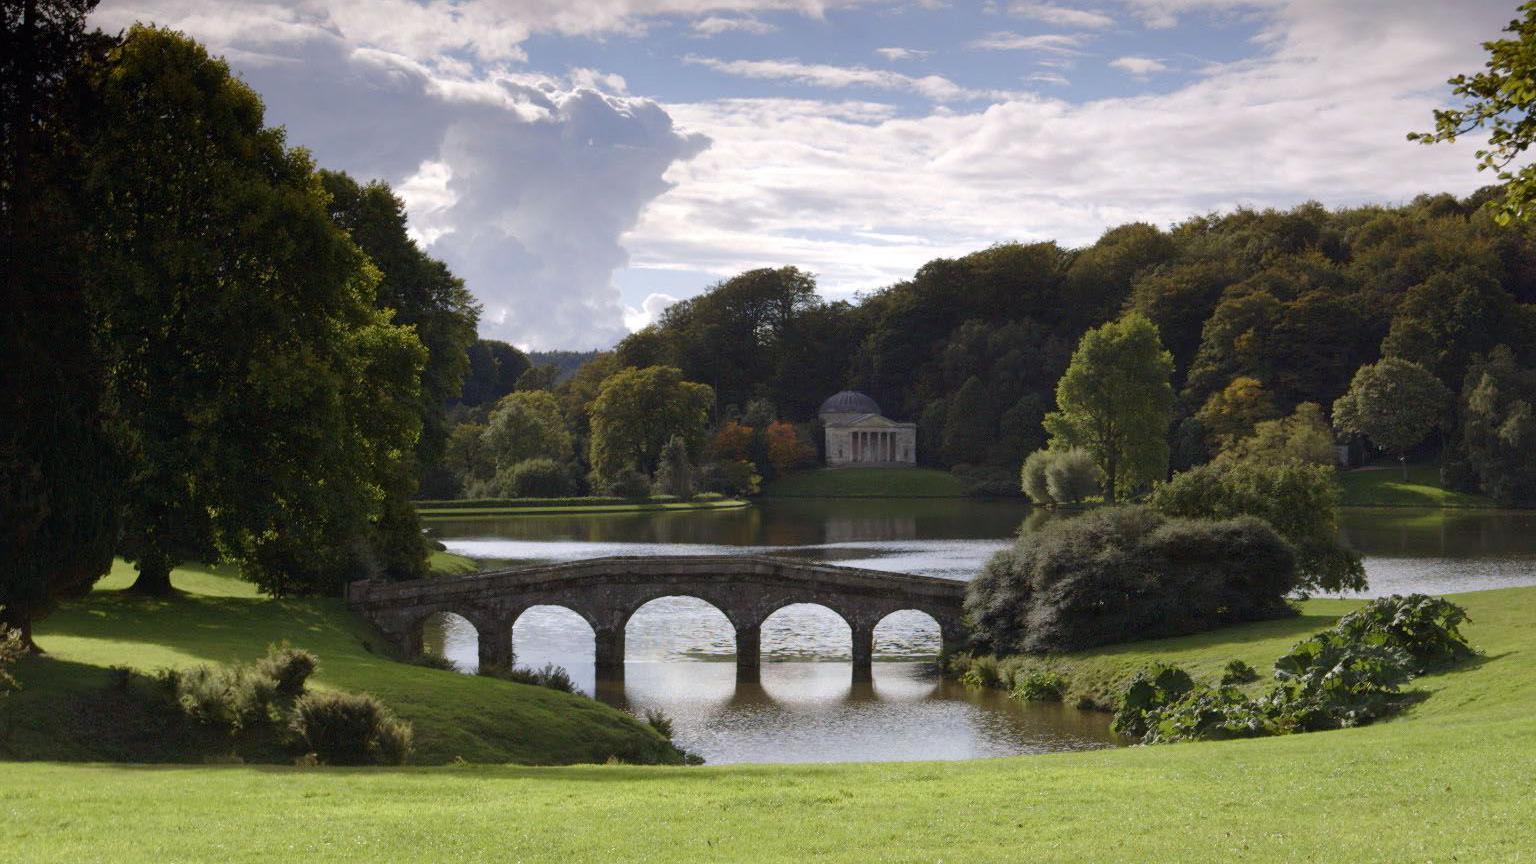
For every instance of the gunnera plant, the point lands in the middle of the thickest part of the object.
(1040, 685)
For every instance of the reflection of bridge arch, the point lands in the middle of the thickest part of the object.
(607, 592)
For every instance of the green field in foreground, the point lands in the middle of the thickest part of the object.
(62, 713)
(867, 483)
(1452, 780)
(1383, 485)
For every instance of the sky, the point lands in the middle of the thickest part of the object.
(584, 163)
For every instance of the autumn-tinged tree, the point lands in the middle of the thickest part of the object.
(787, 448)
(637, 412)
(1232, 412)
(1394, 403)
(731, 442)
(1116, 402)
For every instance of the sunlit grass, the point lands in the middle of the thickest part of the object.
(1383, 486)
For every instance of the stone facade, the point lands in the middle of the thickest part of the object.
(857, 434)
(607, 591)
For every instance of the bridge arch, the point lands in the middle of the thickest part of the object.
(711, 622)
(929, 632)
(450, 636)
(568, 631)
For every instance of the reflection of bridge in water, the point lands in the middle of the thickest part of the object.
(606, 592)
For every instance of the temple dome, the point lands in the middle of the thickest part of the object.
(849, 402)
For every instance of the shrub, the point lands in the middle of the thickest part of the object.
(1152, 688)
(226, 697)
(1032, 478)
(1208, 714)
(350, 729)
(1040, 685)
(628, 484)
(536, 478)
(735, 477)
(11, 649)
(1427, 629)
(1331, 681)
(551, 676)
(434, 661)
(658, 720)
(1238, 672)
(1298, 501)
(1128, 573)
(1072, 475)
(983, 671)
(289, 669)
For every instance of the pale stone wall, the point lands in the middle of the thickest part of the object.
(872, 445)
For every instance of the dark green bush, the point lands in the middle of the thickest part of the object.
(627, 484)
(982, 672)
(1331, 681)
(1127, 573)
(1040, 685)
(289, 669)
(551, 676)
(657, 719)
(350, 729)
(1207, 714)
(536, 478)
(226, 697)
(1238, 672)
(734, 477)
(1427, 628)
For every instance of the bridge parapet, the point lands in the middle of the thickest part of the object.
(607, 591)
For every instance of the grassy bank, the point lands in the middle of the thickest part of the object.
(429, 510)
(1453, 779)
(217, 618)
(867, 483)
(1383, 486)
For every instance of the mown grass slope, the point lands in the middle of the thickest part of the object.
(867, 483)
(1383, 486)
(217, 618)
(1452, 780)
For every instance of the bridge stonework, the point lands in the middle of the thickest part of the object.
(607, 591)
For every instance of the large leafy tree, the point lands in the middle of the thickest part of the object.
(59, 475)
(1501, 99)
(638, 411)
(269, 410)
(1115, 401)
(527, 425)
(420, 290)
(1394, 403)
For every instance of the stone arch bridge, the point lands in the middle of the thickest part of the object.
(607, 591)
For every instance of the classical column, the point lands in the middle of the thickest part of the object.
(749, 653)
(863, 651)
(496, 644)
(610, 653)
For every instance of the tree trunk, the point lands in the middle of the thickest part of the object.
(21, 622)
(1402, 459)
(154, 579)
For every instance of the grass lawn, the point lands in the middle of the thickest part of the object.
(1383, 486)
(867, 483)
(61, 713)
(1452, 780)
(429, 513)
(449, 564)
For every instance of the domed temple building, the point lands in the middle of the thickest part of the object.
(857, 434)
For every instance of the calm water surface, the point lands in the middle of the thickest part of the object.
(806, 709)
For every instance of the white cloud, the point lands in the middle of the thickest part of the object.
(714, 25)
(1050, 43)
(650, 310)
(1139, 67)
(902, 53)
(934, 87)
(1163, 14)
(863, 198)
(1063, 16)
(1053, 78)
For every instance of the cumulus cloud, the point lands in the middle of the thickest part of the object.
(650, 310)
(1139, 67)
(1063, 16)
(522, 182)
(934, 87)
(1050, 43)
(885, 193)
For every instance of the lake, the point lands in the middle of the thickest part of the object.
(806, 707)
